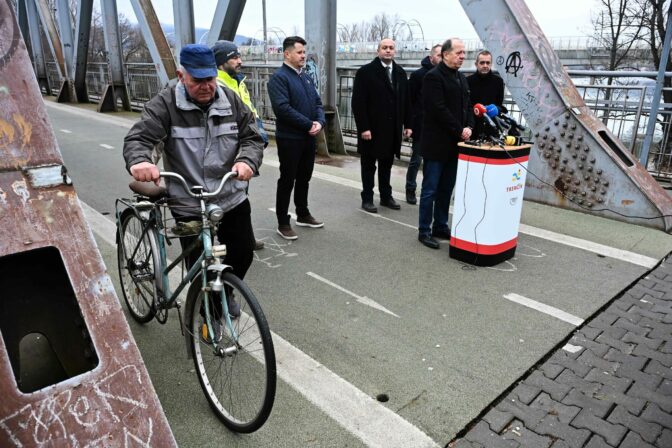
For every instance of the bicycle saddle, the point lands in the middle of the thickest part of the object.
(148, 189)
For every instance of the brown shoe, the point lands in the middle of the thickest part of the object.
(258, 244)
(309, 221)
(287, 232)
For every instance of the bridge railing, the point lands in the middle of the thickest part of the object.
(624, 107)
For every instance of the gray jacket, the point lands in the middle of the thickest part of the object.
(201, 146)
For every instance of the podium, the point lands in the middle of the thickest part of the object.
(489, 189)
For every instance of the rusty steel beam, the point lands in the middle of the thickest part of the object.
(155, 39)
(95, 390)
(116, 88)
(36, 44)
(51, 32)
(81, 56)
(225, 20)
(183, 18)
(576, 162)
(66, 92)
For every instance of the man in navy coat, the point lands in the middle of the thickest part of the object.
(299, 117)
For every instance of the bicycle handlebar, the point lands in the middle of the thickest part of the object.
(203, 194)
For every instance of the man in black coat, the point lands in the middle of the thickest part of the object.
(380, 104)
(415, 92)
(485, 87)
(448, 120)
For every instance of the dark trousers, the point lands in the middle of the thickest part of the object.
(297, 157)
(235, 230)
(413, 166)
(368, 164)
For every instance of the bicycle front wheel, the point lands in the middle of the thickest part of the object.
(138, 264)
(238, 377)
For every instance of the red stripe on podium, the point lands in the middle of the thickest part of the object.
(485, 249)
(487, 161)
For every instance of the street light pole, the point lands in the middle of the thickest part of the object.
(263, 12)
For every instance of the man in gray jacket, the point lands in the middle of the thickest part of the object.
(206, 131)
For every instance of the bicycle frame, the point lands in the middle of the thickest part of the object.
(149, 213)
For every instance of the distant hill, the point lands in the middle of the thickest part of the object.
(169, 30)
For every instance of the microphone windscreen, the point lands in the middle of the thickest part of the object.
(479, 110)
(492, 110)
(510, 140)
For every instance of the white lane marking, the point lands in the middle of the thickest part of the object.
(106, 146)
(376, 215)
(579, 243)
(566, 240)
(547, 309)
(601, 249)
(104, 118)
(361, 299)
(355, 411)
(292, 215)
(66, 131)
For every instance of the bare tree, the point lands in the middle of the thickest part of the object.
(619, 25)
(133, 44)
(381, 26)
(654, 13)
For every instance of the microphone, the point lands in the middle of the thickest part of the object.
(512, 121)
(510, 140)
(479, 110)
(492, 112)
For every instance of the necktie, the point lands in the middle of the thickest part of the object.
(389, 73)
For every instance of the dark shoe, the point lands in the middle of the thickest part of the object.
(258, 244)
(390, 203)
(441, 234)
(309, 221)
(429, 241)
(369, 207)
(410, 197)
(287, 232)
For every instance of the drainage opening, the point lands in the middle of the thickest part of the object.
(383, 398)
(41, 323)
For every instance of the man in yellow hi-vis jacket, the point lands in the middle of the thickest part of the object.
(229, 65)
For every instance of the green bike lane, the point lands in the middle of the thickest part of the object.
(367, 301)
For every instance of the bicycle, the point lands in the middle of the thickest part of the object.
(233, 356)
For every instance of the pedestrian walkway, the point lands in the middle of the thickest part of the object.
(608, 385)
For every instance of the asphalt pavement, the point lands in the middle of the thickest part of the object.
(382, 341)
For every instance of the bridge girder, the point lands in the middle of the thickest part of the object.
(577, 163)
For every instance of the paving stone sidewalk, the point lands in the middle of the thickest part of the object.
(610, 385)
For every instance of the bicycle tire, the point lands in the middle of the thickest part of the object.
(239, 387)
(138, 275)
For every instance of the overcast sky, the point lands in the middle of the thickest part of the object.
(439, 19)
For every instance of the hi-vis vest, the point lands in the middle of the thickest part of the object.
(225, 80)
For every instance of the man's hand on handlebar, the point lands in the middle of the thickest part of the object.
(145, 172)
(244, 171)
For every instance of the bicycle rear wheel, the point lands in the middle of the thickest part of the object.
(238, 378)
(137, 258)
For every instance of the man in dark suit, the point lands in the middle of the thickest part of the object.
(485, 87)
(448, 120)
(381, 106)
(415, 92)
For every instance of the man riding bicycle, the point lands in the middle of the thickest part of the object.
(204, 131)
